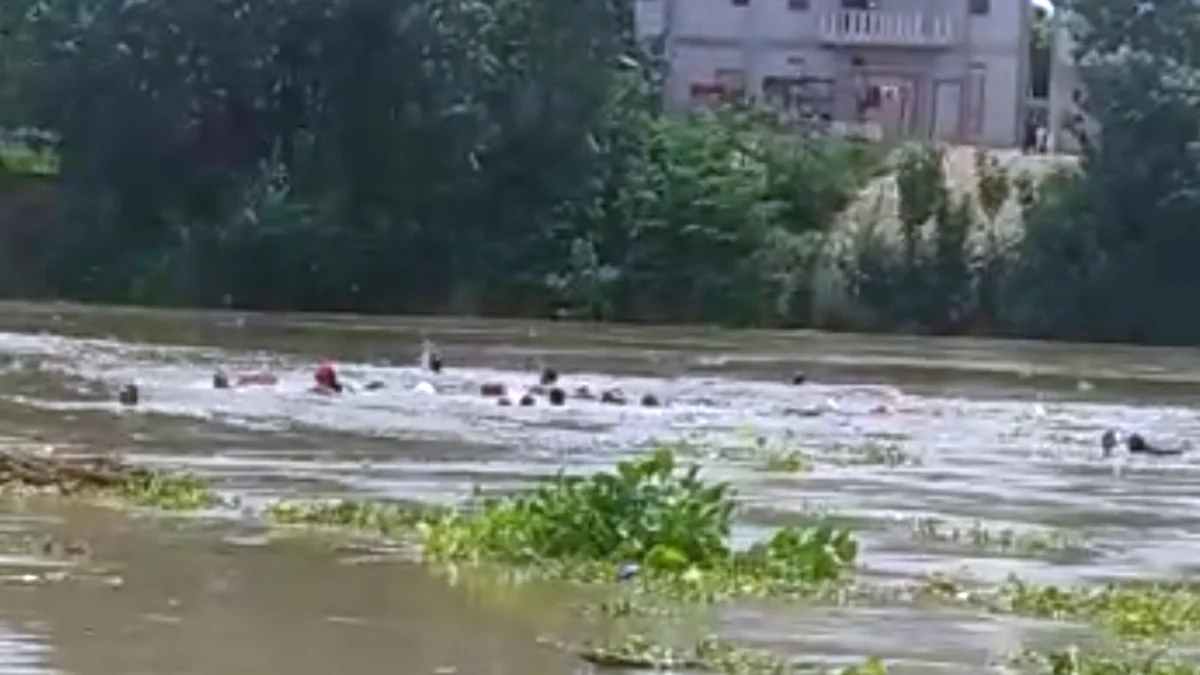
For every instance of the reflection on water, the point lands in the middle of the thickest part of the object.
(999, 433)
(23, 650)
(174, 600)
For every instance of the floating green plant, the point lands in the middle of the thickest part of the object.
(647, 515)
(649, 523)
(872, 453)
(171, 492)
(981, 538)
(790, 461)
(710, 655)
(371, 517)
(1134, 610)
(1134, 660)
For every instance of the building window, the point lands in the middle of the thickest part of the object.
(798, 5)
(731, 80)
(981, 7)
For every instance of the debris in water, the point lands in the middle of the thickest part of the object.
(72, 548)
(103, 476)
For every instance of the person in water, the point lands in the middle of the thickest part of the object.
(327, 381)
(1136, 444)
(262, 379)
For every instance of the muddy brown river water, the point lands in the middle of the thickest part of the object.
(1003, 433)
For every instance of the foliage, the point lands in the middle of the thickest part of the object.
(712, 654)
(646, 512)
(1073, 661)
(1129, 610)
(649, 513)
(170, 492)
(430, 155)
(509, 158)
(714, 215)
(1009, 542)
(930, 284)
(377, 517)
(1109, 253)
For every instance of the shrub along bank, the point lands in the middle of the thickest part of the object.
(508, 158)
(496, 158)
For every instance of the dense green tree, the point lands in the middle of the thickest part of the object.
(445, 131)
(409, 155)
(1110, 253)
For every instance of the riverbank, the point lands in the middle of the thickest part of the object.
(828, 282)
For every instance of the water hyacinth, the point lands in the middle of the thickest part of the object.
(648, 512)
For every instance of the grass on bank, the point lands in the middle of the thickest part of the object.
(658, 531)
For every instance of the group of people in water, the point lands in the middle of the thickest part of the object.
(1136, 444)
(327, 382)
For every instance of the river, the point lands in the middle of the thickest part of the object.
(1003, 433)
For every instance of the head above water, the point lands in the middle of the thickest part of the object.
(431, 358)
(326, 376)
(549, 376)
(220, 380)
(1135, 443)
(129, 395)
(1108, 442)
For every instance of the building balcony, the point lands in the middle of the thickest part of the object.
(872, 28)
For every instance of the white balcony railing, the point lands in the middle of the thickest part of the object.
(887, 29)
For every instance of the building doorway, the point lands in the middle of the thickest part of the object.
(888, 102)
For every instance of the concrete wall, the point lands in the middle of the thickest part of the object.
(766, 38)
(999, 42)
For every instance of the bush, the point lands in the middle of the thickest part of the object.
(331, 156)
(926, 280)
(647, 512)
(715, 217)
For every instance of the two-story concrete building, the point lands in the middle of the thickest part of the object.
(956, 70)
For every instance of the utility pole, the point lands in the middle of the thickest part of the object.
(1054, 95)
